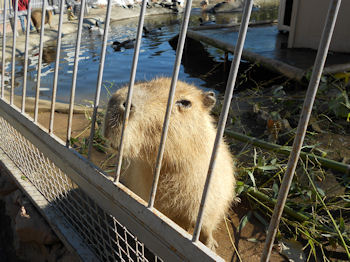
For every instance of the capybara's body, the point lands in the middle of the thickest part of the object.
(36, 18)
(187, 152)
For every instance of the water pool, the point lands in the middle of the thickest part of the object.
(156, 58)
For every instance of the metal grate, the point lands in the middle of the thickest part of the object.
(109, 239)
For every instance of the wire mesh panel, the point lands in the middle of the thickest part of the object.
(109, 239)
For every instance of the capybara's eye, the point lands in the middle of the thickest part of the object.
(184, 103)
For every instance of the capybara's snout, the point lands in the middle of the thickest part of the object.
(117, 106)
(124, 105)
(115, 114)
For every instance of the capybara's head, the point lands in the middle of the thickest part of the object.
(191, 129)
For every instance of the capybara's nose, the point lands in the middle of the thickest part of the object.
(131, 107)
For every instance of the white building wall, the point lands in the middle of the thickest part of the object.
(308, 18)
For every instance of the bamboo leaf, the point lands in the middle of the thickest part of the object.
(244, 221)
(251, 176)
(267, 168)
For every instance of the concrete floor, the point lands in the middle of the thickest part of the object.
(266, 41)
(69, 27)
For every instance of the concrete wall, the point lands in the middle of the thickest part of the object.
(308, 19)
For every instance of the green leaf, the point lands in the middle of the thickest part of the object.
(341, 224)
(239, 189)
(244, 221)
(275, 189)
(321, 191)
(255, 156)
(261, 219)
(254, 240)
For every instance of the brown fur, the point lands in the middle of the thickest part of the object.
(36, 18)
(187, 153)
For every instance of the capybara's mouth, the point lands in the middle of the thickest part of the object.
(111, 146)
(114, 146)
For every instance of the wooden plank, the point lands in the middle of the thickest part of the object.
(232, 25)
(272, 64)
(336, 68)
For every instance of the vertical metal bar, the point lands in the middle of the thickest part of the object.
(179, 51)
(75, 72)
(131, 86)
(100, 76)
(55, 78)
(3, 52)
(36, 108)
(302, 126)
(224, 113)
(24, 90)
(14, 52)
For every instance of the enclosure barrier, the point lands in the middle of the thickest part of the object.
(112, 221)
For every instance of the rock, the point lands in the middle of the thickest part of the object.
(31, 227)
(12, 207)
(60, 254)
(31, 251)
(7, 186)
(67, 257)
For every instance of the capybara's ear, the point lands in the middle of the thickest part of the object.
(209, 99)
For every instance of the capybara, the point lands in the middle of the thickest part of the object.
(36, 18)
(187, 152)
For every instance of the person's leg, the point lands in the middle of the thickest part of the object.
(21, 18)
(31, 25)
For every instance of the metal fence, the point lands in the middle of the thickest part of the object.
(114, 223)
